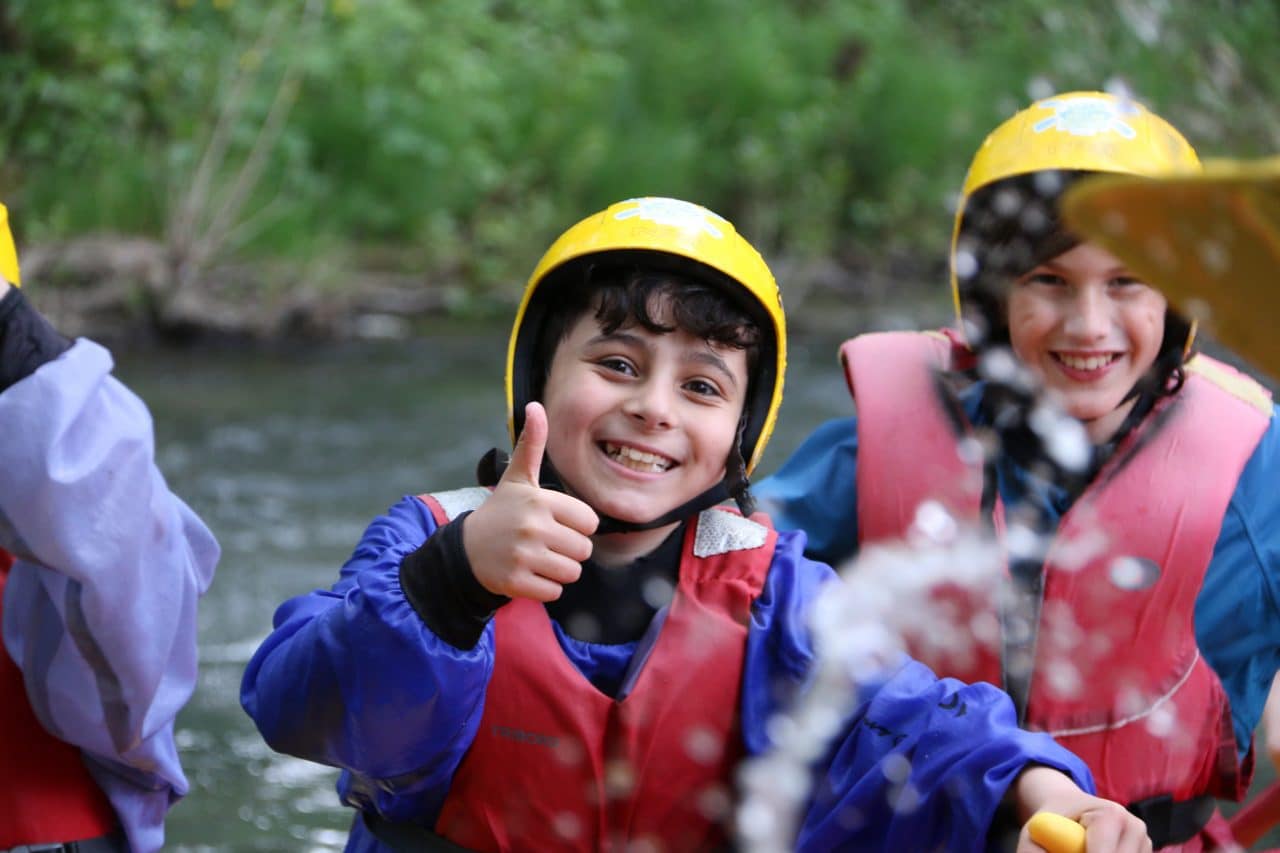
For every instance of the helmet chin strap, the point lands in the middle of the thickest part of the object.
(734, 485)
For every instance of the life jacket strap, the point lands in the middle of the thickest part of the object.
(1171, 821)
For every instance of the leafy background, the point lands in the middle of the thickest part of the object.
(319, 144)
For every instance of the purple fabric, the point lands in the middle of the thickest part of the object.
(100, 608)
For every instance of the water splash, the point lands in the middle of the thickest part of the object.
(858, 628)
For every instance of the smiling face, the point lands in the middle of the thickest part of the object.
(641, 421)
(1090, 330)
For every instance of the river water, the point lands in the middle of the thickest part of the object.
(287, 456)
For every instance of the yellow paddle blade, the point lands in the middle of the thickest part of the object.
(1210, 242)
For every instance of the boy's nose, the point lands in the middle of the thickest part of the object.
(1090, 317)
(653, 405)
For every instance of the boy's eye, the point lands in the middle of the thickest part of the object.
(1126, 281)
(1045, 278)
(702, 388)
(617, 365)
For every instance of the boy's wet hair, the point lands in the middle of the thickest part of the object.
(629, 294)
(1012, 226)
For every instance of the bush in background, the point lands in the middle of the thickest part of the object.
(454, 139)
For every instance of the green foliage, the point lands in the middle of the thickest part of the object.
(457, 137)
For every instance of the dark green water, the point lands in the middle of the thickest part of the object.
(287, 456)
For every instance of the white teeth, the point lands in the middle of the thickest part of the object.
(1091, 362)
(637, 460)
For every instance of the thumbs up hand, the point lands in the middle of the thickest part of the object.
(526, 541)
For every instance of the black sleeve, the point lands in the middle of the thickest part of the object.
(438, 581)
(26, 339)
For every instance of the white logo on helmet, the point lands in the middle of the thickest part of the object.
(1086, 117)
(674, 213)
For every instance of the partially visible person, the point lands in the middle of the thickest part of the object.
(577, 657)
(101, 567)
(1146, 638)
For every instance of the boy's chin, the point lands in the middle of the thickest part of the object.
(634, 515)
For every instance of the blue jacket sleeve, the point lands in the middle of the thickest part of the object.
(920, 763)
(352, 677)
(815, 490)
(100, 607)
(1238, 609)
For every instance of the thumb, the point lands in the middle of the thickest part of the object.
(526, 460)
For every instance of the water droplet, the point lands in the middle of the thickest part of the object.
(969, 449)
(1065, 439)
(851, 819)
(896, 768)
(583, 626)
(568, 751)
(1161, 252)
(702, 744)
(715, 802)
(1034, 220)
(1064, 678)
(1048, 183)
(566, 825)
(1024, 543)
(1120, 89)
(934, 523)
(1040, 87)
(645, 844)
(1198, 309)
(1133, 573)
(1214, 256)
(966, 264)
(1143, 19)
(756, 821)
(1162, 721)
(906, 799)
(1115, 222)
(619, 778)
(1007, 202)
(658, 592)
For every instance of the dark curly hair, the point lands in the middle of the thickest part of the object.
(622, 295)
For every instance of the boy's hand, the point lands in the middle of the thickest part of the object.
(1271, 722)
(1108, 826)
(526, 541)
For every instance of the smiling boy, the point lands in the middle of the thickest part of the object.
(577, 657)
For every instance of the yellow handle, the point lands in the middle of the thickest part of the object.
(1056, 833)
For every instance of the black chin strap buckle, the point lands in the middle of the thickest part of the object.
(491, 467)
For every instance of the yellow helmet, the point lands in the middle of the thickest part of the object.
(1072, 132)
(8, 254)
(684, 238)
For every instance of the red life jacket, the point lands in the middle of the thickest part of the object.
(558, 765)
(49, 796)
(1118, 678)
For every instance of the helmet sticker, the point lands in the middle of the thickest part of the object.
(1086, 117)
(674, 213)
